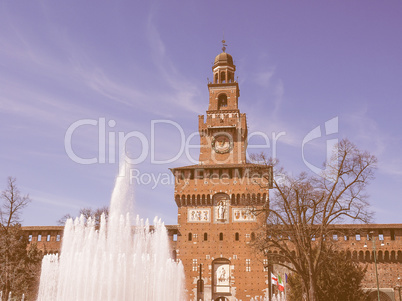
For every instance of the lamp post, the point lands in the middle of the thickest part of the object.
(371, 236)
(200, 286)
(269, 271)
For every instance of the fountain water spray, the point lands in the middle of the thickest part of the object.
(116, 261)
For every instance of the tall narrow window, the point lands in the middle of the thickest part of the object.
(223, 77)
(48, 237)
(237, 236)
(205, 236)
(190, 236)
(58, 237)
(392, 234)
(380, 235)
(221, 236)
(39, 237)
(252, 236)
(200, 174)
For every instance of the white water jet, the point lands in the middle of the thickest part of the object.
(116, 262)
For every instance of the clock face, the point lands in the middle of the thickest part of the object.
(222, 143)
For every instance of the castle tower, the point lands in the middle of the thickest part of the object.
(216, 227)
(225, 129)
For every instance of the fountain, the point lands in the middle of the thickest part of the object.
(115, 262)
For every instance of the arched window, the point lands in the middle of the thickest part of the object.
(223, 77)
(205, 236)
(386, 256)
(393, 257)
(190, 236)
(367, 258)
(216, 78)
(237, 236)
(222, 101)
(380, 257)
(221, 236)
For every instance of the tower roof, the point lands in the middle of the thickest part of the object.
(223, 59)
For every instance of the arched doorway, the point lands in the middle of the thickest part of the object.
(383, 296)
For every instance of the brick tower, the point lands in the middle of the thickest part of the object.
(215, 223)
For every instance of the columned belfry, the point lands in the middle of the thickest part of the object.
(216, 199)
(224, 133)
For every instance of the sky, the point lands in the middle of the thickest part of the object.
(78, 80)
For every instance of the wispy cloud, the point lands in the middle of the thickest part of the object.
(369, 134)
(392, 166)
(365, 129)
(185, 91)
(77, 69)
(56, 200)
(264, 78)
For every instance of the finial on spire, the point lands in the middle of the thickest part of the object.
(223, 45)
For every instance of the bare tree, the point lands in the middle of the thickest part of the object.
(19, 264)
(87, 213)
(303, 209)
(12, 204)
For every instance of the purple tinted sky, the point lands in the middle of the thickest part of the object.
(300, 64)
